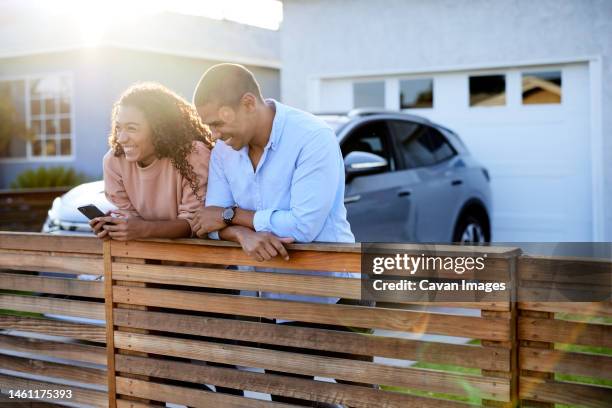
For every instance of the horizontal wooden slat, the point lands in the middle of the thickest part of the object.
(557, 361)
(48, 262)
(62, 286)
(348, 288)
(366, 317)
(350, 395)
(47, 242)
(57, 370)
(350, 370)
(483, 305)
(10, 402)
(245, 280)
(313, 260)
(52, 327)
(70, 351)
(36, 304)
(565, 269)
(561, 331)
(495, 269)
(490, 358)
(348, 247)
(85, 396)
(564, 393)
(189, 396)
(503, 252)
(603, 309)
(124, 403)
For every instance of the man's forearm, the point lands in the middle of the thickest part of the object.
(244, 218)
(232, 233)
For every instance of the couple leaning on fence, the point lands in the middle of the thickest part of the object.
(275, 174)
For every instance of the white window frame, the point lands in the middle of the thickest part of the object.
(30, 158)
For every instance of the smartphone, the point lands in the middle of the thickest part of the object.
(91, 211)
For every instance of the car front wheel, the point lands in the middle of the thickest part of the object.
(471, 230)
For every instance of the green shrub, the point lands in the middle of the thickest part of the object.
(48, 177)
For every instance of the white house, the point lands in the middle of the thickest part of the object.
(527, 84)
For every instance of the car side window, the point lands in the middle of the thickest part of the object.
(372, 137)
(440, 147)
(420, 145)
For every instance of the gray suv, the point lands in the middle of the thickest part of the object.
(407, 180)
(410, 180)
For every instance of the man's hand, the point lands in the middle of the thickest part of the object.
(208, 219)
(124, 227)
(263, 246)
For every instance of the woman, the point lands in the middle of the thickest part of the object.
(157, 168)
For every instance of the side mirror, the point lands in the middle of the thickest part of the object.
(362, 163)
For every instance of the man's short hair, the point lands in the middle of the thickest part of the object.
(225, 84)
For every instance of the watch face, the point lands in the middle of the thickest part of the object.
(228, 213)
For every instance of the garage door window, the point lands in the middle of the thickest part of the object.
(416, 93)
(488, 90)
(369, 94)
(541, 88)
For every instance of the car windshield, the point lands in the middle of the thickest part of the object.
(336, 122)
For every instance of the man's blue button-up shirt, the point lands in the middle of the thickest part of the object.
(297, 189)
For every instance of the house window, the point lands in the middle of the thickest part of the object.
(541, 88)
(416, 93)
(488, 90)
(13, 131)
(41, 112)
(369, 94)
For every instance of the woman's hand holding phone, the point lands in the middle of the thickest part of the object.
(121, 226)
(97, 223)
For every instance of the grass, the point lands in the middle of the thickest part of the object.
(582, 318)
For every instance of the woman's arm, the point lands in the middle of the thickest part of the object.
(190, 204)
(130, 228)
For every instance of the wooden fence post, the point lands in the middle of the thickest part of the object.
(538, 345)
(110, 341)
(510, 344)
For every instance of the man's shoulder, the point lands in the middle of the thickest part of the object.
(305, 129)
(304, 122)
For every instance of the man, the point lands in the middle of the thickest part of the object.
(276, 173)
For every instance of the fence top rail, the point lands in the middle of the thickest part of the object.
(440, 249)
(12, 240)
(567, 259)
(36, 241)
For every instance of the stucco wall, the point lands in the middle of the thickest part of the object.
(320, 38)
(99, 77)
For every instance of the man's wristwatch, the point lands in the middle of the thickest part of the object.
(228, 214)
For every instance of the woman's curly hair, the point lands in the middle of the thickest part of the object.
(174, 122)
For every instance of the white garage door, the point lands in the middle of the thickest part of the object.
(538, 155)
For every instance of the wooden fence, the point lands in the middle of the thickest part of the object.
(565, 349)
(183, 323)
(26, 209)
(35, 339)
